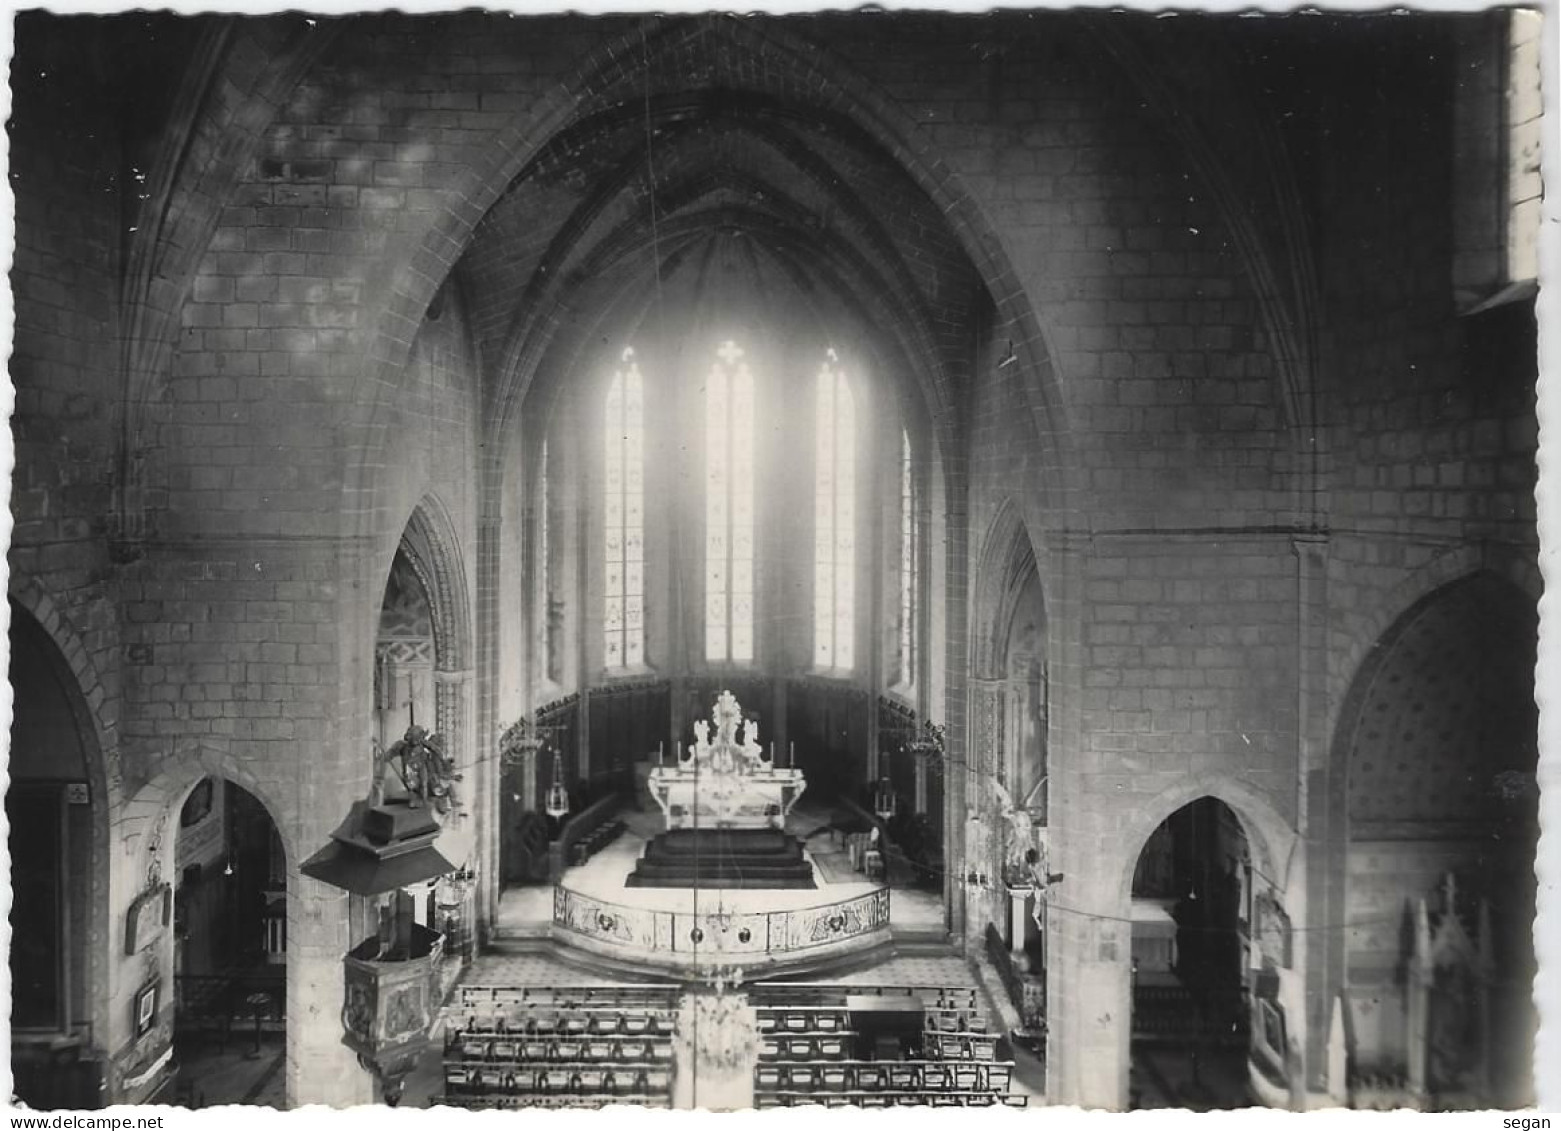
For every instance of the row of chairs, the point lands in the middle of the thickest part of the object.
(823, 1046)
(595, 840)
(894, 1076)
(570, 997)
(572, 1079)
(546, 1020)
(778, 994)
(955, 1020)
(791, 1019)
(533, 1050)
(960, 1046)
(497, 1101)
(888, 1099)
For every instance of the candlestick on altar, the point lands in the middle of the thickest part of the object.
(791, 755)
(661, 754)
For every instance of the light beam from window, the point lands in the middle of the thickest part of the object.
(910, 563)
(624, 543)
(834, 569)
(729, 508)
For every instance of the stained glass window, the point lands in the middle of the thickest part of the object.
(623, 618)
(729, 506)
(910, 563)
(834, 520)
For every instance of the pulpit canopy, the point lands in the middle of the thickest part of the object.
(380, 848)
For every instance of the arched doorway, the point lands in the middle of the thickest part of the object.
(230, 949)
(1439, 733)
(1190, 983)
(52, 805)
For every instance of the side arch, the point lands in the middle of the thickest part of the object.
(148, 814)
(97, 713)
(88, 703)
(1006, 562)
(432, 547)
(1269, 835)
(1516, 568)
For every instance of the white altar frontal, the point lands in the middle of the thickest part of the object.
(726, 781)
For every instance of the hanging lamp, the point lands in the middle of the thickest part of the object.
(557, 802)
(884, 802)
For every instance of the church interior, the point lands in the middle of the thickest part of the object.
(858, 559)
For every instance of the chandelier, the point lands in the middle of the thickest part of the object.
(521, 738)
(718, 1028)
(885, 804)
(927, 744)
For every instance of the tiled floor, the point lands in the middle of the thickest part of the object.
(211, 1075)
(1179, 1076)
(528, 968)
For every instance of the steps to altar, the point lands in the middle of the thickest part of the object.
(722, 858)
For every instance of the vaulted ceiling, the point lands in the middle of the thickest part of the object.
(734, 204)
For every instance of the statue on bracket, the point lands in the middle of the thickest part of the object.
(422, 767)
(1019, 833)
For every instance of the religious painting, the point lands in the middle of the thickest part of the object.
(145, 1007)
(197, 807)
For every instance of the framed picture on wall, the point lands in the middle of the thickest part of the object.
(145, 1013)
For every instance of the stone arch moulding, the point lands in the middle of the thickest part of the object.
(1460, 563)
(432, 547)
(154, 808)
(396, 309)
(259, 63)
(84, 692)
(1008, 557)
(1270, 837)
(88, 697)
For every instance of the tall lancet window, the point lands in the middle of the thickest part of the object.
(544, 567)
(624, 507)
(910, 563)
(729, 508)
(834, 520)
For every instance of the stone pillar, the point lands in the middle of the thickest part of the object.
(526, 767)
(1017, 900)
(320, 1069)
(1314, 893)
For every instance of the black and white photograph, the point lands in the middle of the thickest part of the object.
(797, 559)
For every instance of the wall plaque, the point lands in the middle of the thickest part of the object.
(148, 919)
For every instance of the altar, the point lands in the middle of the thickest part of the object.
(726, 780)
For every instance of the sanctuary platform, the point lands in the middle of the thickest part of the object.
(722, 858)
(593, 910)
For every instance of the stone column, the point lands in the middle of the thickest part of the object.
(1017, 900)
(320, 1069)
(1314, 894)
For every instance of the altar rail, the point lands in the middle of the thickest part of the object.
(753, 940)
